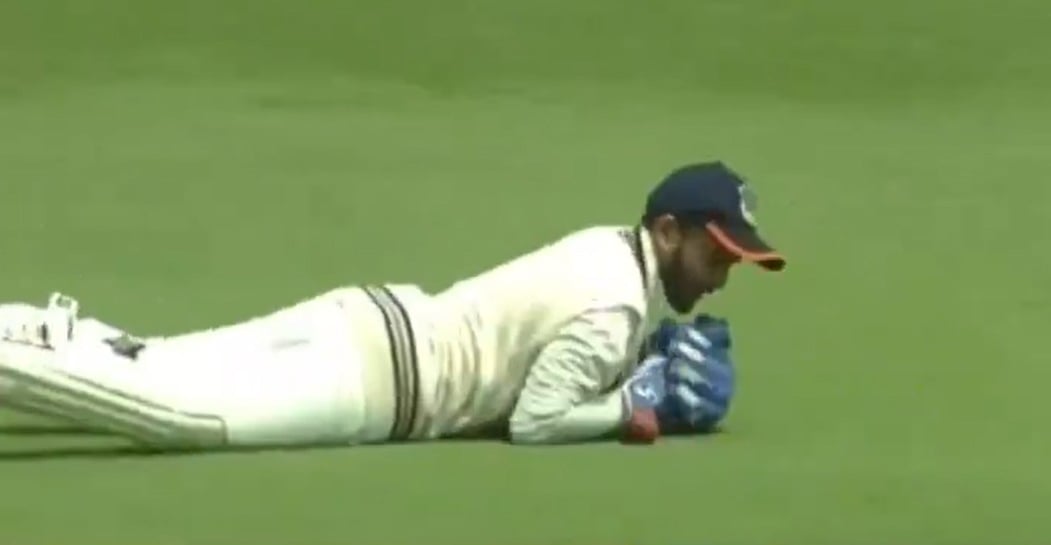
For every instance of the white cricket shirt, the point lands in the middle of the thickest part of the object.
(538, 345)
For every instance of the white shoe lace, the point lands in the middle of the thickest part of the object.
(60, 319)
(50, 328)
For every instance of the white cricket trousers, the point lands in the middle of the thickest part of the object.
(318, 372)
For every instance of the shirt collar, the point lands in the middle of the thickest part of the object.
(657, 306)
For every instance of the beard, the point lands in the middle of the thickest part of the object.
(673, 278)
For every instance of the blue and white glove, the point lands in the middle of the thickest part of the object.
(659, 340)
(646, 387)
(700, 378)
(685, 384)
(642, 396)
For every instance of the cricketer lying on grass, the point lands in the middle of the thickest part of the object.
(543, 349)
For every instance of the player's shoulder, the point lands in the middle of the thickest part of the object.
(607, 240)
(602, 261)
(588, 268)
(585, 245)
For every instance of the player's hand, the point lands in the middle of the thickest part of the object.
(642, 394)
(705, 335)
(700, 378)
(658, 341)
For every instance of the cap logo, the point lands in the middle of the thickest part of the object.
(748, 204)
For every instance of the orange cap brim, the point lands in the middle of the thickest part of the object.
(765, 257)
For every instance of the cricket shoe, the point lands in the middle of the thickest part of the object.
(50, 327)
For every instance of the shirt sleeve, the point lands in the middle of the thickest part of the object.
(563, 399)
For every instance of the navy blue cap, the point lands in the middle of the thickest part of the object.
(713, 196)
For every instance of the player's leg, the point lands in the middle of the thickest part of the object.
(37, 379)
(48, 327)
(293, 377)
(290, 378)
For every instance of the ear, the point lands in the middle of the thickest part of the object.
(667, 233)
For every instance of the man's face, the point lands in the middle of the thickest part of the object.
(690, 262)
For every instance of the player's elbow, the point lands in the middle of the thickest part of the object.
(527, 429)
(528, 433)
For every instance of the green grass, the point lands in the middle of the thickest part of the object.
(182, 164)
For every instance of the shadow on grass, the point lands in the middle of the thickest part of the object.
(37, 430)
(130, 451)
(110, 452)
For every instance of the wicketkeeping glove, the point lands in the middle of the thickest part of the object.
(659, 339)
(642, 395)
(700, 377)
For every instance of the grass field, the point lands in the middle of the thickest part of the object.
(183, 164)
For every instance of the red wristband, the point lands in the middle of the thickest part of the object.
(642, 427)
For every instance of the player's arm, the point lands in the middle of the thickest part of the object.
(563, 399)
